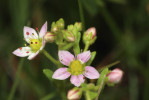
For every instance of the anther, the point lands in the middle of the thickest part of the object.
(31, 42)
(36, 29)
(27, 33)
(32, 33)
(83, 77)
(20, 48)
(35, 42)
(27, 52)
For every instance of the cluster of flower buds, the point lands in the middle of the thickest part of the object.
(70, 34)
(74, 94)
(114, 76)
(89, 36)
(59, 33)
(57, 26)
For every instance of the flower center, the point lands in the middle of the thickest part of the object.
(76, 68)
(35, 44)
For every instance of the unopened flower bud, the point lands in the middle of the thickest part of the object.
(78, 25)
(74, 94)
(60, 23)
(70, 27)
(49, 37)
(115, 76)
(90, 36)
(69, 36)
(54, 28)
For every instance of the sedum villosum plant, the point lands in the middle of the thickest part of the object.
(74, 61)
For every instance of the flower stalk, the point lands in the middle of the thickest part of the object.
(51, 58)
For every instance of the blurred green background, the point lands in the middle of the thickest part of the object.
(122, 31)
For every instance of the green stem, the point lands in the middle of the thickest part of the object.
(109, 65)
(13, 89)
(51, 58)
(101, 86)
(68, 46)
(86, 47)
(81, 14)
(48, 97)
(87, 96)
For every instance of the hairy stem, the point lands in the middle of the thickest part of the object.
(81, 14)
(86, 47)
(101, 87)
(51, 58)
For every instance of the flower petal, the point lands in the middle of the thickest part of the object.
(77, 80)
(29, 33)
(65, 57)
(22, 51)
(84, 57)
(61, 74)
(43, 30)
(91, 72)
(33, 55)
(43, 44)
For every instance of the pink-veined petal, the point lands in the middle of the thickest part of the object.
(84, 57)
(65, 57)
(91, 72)
(77, 80)
(61, 74)
(22, 51)
(29, 33)
(43, 30)
(43, 44)
(33, 55)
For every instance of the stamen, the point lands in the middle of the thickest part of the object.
(31, 42)
(32, 33)
(35, 42)
(36, 28)
(27, 33)
(83, 77)
(20, 48)
(27, 52)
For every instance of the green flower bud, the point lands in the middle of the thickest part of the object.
(70, 27)
(54, 28)
(68, 36)
(60, 23)
(49, 37)
(89, 36)
(78, 25)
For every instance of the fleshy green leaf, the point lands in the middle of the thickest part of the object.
(93, 54)
(102, 76)
(93, 95)
(48, 74)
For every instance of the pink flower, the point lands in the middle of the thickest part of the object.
(76, 69)
(36, 43)
(115, 76)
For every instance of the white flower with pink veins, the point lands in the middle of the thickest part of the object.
(76, 69)
(36, 42)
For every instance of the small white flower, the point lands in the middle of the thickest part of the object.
(36, 43)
